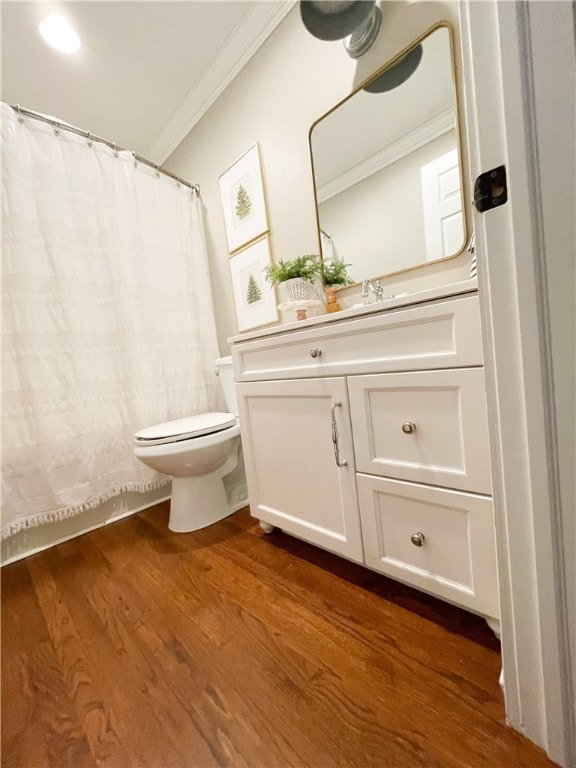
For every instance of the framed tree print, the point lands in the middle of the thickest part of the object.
(243, 200)
(254, 298)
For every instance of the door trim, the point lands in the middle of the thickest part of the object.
(506, 90)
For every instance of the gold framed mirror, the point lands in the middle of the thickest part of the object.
(387, 165)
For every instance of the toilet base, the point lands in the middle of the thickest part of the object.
(198, 502)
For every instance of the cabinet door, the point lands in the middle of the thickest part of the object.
(294, 481)
(438, 540)
(428, 427)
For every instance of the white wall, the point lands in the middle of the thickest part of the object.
(293, 80)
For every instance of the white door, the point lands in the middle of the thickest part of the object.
(442, 204)
(519, 63)
(296, 434)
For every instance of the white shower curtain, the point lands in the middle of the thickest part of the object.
(108, 322)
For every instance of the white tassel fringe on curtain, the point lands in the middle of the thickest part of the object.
(108, 322)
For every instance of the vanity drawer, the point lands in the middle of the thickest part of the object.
(426, 427)
(444, 334)
(437, 540)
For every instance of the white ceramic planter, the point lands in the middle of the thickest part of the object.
(298, 289)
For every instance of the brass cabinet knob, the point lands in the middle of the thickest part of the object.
(417, 539)
(408, 427)
(315, 352)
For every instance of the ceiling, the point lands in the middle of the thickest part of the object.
(146, 72)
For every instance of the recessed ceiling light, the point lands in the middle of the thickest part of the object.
(60, 34)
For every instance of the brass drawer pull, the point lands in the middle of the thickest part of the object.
(315, 352)
(417, 539)
(408, 427)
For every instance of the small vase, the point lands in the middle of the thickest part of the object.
(331, 301)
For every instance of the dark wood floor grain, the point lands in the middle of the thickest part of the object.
(135, 646)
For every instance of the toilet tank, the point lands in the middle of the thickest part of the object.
(226, 374)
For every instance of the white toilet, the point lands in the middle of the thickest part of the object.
(199, 452)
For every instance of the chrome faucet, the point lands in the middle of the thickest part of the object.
(375, 287)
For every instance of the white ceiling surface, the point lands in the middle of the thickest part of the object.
(146, 72)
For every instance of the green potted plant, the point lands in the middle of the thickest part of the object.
(334, 274)
(297, 275)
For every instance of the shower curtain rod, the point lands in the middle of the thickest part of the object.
(91, 137)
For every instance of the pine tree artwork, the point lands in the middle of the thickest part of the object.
(253, 292)
(243, 203)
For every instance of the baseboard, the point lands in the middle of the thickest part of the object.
(33, 540)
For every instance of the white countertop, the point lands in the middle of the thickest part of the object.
(454, 289)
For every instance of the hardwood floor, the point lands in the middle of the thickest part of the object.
(135, 646)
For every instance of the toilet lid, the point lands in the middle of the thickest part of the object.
(182, 429)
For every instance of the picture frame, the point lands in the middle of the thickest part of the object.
(243, 200)
(255, 300)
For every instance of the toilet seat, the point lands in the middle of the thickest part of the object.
(185, 429)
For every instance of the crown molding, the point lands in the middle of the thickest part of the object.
(260, 21)
(425, 133)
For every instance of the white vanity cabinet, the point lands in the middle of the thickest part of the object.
(367, 435)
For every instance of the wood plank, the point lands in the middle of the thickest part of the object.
(109, 611)
(227, 647)
(39, 724)
(250, 733)
(82, 680)
(323, 640)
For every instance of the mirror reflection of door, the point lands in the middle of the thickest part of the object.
(367, 156)
(442, 206)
